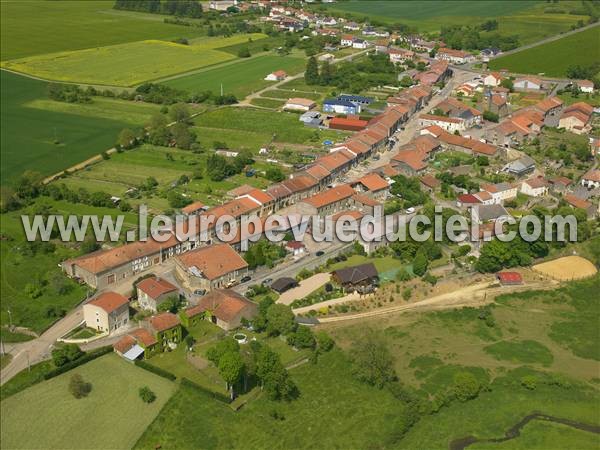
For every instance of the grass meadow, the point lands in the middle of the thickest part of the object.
(333, 411)
(38, 27)
(283, 127)
(111, 416)
(240, 78)
(553, 58)
(549, 336)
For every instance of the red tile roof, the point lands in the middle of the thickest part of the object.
(592, 175)
(577, 202)
(109, 301)
(430, 181)
(224, 304)
(373, 182)
(330, 196)
(155, 287)
(192, 207)
(468, 198)
(214, 260)
(509, 277)
(164, 321)
(260, 196)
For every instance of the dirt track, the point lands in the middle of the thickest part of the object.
(475, 295)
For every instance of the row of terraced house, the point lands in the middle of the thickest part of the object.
(104, 268)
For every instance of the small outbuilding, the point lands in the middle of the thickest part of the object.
(284, 284)
(509, 278)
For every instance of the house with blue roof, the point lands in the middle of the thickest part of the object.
(334, 105)
(356, 99)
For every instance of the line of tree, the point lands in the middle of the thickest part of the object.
(70, 93)
(180, 8)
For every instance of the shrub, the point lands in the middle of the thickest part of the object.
(66, 354)
(87, 357)
(146, 394)
(466, 386)
(78, 387)
(529, 382)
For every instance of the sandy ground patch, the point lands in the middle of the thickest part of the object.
(567, 268)
(304, 288)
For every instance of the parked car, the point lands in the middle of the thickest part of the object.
(267, 281)
(410, 210)
(200, 292)
(320, 253)
(245, 279)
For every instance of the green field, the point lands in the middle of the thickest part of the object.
(544, 435)
(130, 169)
(52, 139)
(267, 103)
(552, 333)
(555, 57)
(525, 18)
(240, 78)
(284, 127)
(134, 113)
(111, 416)
(333, 411)
(119, 65)
(38, 27)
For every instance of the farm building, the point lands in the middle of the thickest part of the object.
(509, 278)
(166, 328)
(333, 105)
(528, 84)
(135, 344)
(223, 307)
(107, 312)
(211, 267)
(299, 104)
(284, 284)
(343, 123)
(153, 291)
(278, 75)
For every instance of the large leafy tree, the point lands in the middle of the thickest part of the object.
(311, 75)
(231, 368)
(372, 360)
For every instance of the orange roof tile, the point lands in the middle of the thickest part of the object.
(155, 287)
(109, 301)
(164, 321)
(330, 196)
(373, 182)
(213, 261)
(224, 304)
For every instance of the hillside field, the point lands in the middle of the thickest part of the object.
(553, 58)
(119, 65)
(37, 27)
(47, 136)
(546, 338)
(29, 134)
(111, 416)
(239, 78)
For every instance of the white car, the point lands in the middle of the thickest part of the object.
(410, 210)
